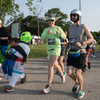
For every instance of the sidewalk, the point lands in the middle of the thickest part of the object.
(37, 76)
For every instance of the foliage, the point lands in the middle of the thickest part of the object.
(9, 8)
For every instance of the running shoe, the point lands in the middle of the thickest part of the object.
(89, 65)
(94, 56)
(9, 88)
(23, 80)
(5, 76)
(91, 55)
(75, 88)
(63, 78)
(8, 77)
(47, 89)
(80, 94)
(57, 72)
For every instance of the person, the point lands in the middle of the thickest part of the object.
(67, 44)
(4, 37)
(52, 35)
(62, 55)
(17, 35)
(21, 51)
(78, 34)
(10, 59)
(88, 50)
(93, 48)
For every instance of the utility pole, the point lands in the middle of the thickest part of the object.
(80, 7)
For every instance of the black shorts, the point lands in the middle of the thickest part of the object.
(77, 62)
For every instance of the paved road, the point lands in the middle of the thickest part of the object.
(37, 70)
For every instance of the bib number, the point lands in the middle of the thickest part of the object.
(51, 41)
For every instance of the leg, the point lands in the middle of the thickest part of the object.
(17, 71)
(61, 62)
(70, 73)
(10, 67)
(4, 66)
(79, 77)
(53, 62)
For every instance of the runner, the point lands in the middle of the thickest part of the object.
(62, 55)
(93, 48)
(53, 34)
(78, 34)
(67, 45)
(88, 50)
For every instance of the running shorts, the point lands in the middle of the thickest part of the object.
(88, 52)
(77, 62)
(56, 51)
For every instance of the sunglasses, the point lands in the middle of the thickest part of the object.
(73, 15)
(51, 20)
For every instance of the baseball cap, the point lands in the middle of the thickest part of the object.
(51, 18)
(16, 35)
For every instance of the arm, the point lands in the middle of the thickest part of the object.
(88, 34)
(44, 35)
(63, 35)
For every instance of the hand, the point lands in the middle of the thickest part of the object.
(49, 32)
(57, 32)
(78, 44)
(22, 63)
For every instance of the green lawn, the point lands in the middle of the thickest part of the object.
(37, 51)
(40, 50)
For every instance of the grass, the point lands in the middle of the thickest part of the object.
(37, 51)
(40, 50)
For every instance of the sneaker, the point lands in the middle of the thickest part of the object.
(94, 56)
(8, 77)
(9, 88)
(80, 94)
(91, 55)
(23, 80)
(47, 89)
(75, 88)
(63, 78)
(57, 72)
(89, 65)
(5, 76)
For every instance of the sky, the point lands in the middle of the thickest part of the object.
(90, 10)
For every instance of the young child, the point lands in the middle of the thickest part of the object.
(10, 59)
(21, 51)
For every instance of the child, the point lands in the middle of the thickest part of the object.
(21, 51)
(10, 59)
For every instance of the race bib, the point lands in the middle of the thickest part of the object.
(51, 41)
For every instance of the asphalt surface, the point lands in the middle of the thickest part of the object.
(37, 76)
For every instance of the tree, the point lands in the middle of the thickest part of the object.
(9, 8)
(35, 10)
